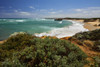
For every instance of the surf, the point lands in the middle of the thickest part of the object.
(65, 31)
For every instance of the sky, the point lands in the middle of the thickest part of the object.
(49, 8)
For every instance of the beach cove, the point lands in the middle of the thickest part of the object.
(66, 31)
(40, 27)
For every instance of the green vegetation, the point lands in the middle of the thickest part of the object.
(97, 45)
(92, 38)
(96, 62)
(90, 35)
(24, 50)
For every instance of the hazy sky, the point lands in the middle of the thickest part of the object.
(49, 8)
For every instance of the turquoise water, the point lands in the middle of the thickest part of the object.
(9, 26)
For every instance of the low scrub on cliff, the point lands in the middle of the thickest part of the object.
(97, 45)
(90, 35)
(91, 38)
(24, 50)
(90, 41)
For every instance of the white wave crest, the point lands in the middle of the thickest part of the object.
(66, 31)
(19, 20)
(47, 27)
(44, 19)
(60, 22)
(13, 20)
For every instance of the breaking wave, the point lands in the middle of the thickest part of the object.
(65, 31)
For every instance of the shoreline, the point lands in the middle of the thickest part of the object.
(87, 25)
(66, 31)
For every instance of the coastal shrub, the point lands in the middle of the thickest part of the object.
(89, 35)
(13, 44)
(37, 52)
(89, 38)
(2, 55)
(76, 40)
(96, 45)
(96, 62)
(18, 42)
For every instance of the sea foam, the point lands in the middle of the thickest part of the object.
(65, 31)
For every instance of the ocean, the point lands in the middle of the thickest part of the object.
(39, 27)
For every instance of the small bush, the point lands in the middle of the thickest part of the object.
(96, 62)
(18, 42)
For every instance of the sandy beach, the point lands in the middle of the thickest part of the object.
(90, 25)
